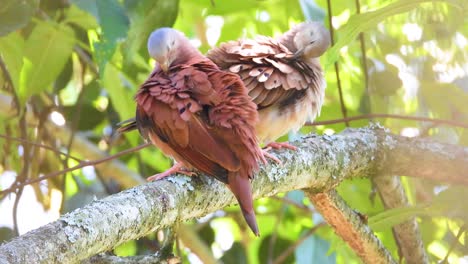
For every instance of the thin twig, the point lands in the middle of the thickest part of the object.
(40, 146)
(22, 177)
(452, 246)
(86, 58)
(362, 42)
(73, 128)
(23, 129)
(274, 236)
(393, 116)
(293, 203)
(79, 166)
(337, 67)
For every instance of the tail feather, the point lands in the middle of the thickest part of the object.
(127, 125)
(240, 187)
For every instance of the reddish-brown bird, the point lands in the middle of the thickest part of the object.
(283, 76)
(199, 115)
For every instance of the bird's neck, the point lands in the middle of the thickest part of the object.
(187, 54)
(287, 39)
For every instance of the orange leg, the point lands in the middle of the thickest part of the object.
(271, 156)
(280, 145)
(276, 145)
(176, 168)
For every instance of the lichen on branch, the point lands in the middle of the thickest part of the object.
(320, 164)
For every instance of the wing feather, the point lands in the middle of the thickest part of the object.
(265, 63)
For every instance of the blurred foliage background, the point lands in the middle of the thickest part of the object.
(78, 63)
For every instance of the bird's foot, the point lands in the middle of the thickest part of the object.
(276, 145)
(280, 145)
(271, 156)
(176, 168)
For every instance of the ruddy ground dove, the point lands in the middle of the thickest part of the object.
(199, 115)
(283, 76)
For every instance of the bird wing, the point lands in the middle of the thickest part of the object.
(175, 108)
(235, 117)
(269, 70)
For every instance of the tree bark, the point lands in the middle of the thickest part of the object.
(320, 164)
(407, 235)
(350, 227)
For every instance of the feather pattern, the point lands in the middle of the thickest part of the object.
(203, 118)
(286, 84)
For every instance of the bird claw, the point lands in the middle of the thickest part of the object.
(176, 168)
(280, 145)
(271, 156)
(276, 145)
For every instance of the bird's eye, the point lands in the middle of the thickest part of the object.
(312, 42)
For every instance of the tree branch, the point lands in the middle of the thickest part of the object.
(146, 259)
(320, 164)
(406, 234)
(350, 227)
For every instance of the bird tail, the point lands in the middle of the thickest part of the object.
(127, 125)
(240, 187)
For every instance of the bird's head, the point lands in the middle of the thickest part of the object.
(312, 40)
(163, 46)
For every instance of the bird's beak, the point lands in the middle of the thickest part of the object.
(298, 54)
(164, 65)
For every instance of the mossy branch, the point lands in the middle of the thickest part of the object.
(319, 165)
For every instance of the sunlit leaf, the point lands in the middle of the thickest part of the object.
(15, 14)
(126, 249)
(114, 25)
(47, 50)
(145, 18)
(87, 5)
(391, 217)
(230, 7)
(361, 22)
(11, 50)
(81, 18)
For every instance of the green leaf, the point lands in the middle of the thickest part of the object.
(230, 7)
(46, 51)
(87, 5)
(364, 21)
(391, 217)
(80, 18)
(114, 23)
(126, 249)
(15, 14)
(11, 50)
(146, 16)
